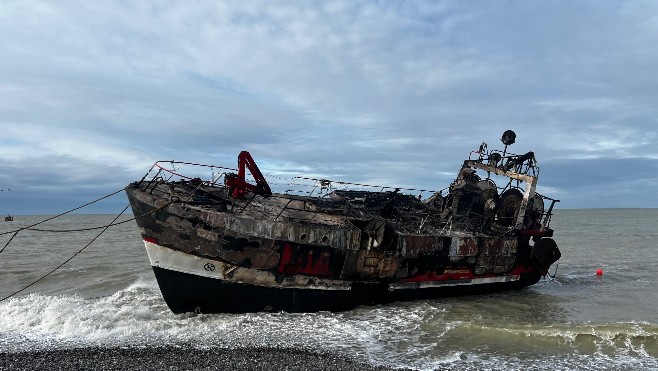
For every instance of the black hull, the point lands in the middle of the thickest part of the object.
(190, 293)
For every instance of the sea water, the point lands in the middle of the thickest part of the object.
(107, 296)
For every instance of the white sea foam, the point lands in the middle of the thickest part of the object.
(417, 335)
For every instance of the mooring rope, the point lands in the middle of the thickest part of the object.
(554, 273)
(105, 228)
(81, 229)
(53, 217)
(69, 259)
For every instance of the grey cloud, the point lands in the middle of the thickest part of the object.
(394, 92)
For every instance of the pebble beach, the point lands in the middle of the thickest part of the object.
(178, 358)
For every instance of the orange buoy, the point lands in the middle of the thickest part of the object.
(599, 272)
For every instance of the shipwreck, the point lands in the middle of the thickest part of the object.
(220, 241)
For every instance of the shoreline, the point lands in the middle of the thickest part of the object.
(181, 358)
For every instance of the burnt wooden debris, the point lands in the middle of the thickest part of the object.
(232, 244)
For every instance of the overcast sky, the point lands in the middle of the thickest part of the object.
(383, 92)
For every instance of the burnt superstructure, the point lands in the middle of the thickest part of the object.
(229, 244)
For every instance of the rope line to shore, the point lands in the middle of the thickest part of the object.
(105, 228)
(83, 229)
(71, 258)
(54, 217)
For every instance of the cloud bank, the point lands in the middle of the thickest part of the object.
(384, 92)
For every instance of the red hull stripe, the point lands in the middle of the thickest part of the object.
(150, 240)
(462, 274)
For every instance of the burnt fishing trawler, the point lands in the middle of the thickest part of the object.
(230, 244)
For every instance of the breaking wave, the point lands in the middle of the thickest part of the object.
(420, 335)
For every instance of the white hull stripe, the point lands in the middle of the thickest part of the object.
(177, 261)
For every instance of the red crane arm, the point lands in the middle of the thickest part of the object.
(239, 184)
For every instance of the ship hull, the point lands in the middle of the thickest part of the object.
(191, 284)
(184, 292)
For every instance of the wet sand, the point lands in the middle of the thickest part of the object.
(176, 358)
